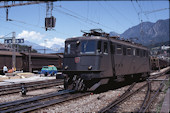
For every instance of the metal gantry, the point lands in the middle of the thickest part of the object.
(49, 20)
(8, 4)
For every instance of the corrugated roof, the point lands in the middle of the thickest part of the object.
(9, 53)
(41, 55)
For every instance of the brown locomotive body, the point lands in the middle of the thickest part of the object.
(91, 61)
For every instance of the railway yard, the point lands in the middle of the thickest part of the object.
(46, 94)
(94, 64)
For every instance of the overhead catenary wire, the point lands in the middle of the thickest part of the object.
(148, 12)
(140, 20)
(119, 12)
(145, 13)
(141, 10)
(110, 14)
(153, 9)
(135, 10)
(76, 17)
(6, 35)
(82, 18)
(42, 34)
(19, 21)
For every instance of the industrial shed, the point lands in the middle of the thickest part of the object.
(38, 60)
(6, 59)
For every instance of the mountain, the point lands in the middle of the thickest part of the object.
(61, 50)
(56, 47)
(148, 32)
(40, 49)
(112, 33)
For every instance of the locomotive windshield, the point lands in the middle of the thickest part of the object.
(70, 48)
(88, 46)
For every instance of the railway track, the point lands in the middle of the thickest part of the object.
(112, 107)
(148, 98)
(15, 88)
(38, 102)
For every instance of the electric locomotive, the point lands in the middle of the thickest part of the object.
(96, 58)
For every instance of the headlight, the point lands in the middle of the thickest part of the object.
(90, 67)
(66, 67)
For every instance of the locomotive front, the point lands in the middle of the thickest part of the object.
(81, 63)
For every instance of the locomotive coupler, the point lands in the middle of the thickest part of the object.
(23, 89)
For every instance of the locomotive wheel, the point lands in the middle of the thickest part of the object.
(67, 82)
(79, 86)
(74, 83)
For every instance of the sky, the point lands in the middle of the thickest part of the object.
(74, 16)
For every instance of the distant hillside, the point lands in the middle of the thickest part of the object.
(19, 48)
(112, 33)
(38, 48)
(148, 32)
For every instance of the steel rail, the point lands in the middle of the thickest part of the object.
(112, 104)
(147, 96)
(33, 82)
(18, 84)
(123, 99)
(25, 107)
(154, 96)
(30, 87)
(7, 105)
(35, 106)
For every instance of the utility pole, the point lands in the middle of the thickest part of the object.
(13, 41)
(13, 54)
(29, 50)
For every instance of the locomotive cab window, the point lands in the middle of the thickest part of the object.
(119, 49)
(129, 51)
(112, 48)
(67, 49)
(147, 53)
(141, 53)
(99, 47)
(134, 51)
(105, 48)
(124, 50)
(70, 48)
(88, 47)
(144, 53)
(137, 52)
